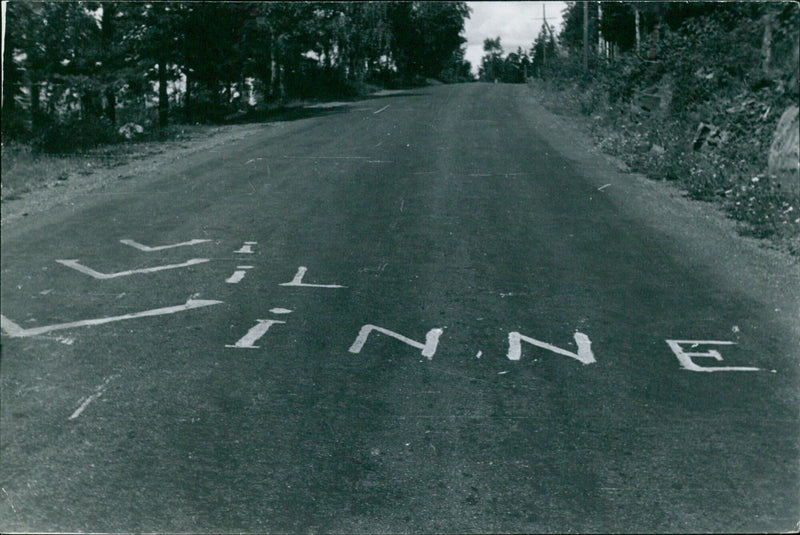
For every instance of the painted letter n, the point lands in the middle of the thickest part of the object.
(428, 348)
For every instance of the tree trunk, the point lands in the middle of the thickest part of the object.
(766, 46)
(107, 38)
(585, 37)
(36, 108)
(282, 82)
(111, 105)
(273, 68)
(244, 96)
(187, 99)
(163, 100)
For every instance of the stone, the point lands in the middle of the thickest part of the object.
(130, 130)
(654, 100)
(708, 135)
(784, 152)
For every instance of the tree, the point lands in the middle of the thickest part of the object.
(98, 60)
(492, 61)
(425, 35)
(458, 68)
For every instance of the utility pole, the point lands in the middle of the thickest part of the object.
(638, 32)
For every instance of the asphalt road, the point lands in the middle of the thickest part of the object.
(433, 311)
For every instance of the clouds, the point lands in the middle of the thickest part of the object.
(517, 24)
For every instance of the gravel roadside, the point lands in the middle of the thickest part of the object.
(116, 169)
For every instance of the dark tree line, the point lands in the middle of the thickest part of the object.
(117, 62)
(640, 28)
(514, 68)
(743, 39)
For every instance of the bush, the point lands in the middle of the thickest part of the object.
(76, 134)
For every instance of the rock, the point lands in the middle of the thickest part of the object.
(657, 149)
(784, 153)
(656, 99)
(666, 90)
(647, 102)
(130, 130)
(708, 135)
(235, 116)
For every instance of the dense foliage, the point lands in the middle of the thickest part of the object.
(655, 75)
(98, 65)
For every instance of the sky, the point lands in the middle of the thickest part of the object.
(516, 23)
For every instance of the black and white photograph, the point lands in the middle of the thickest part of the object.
(400, 267)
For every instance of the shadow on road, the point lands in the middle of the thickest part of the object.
(285, 113)
(306, 111)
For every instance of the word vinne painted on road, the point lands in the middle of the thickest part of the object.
(688, 352)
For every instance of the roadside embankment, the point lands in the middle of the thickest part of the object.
(720, 157)
(34, 181)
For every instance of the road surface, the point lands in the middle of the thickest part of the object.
(433, 311)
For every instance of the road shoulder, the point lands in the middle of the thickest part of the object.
(703, 236)
(129, 169)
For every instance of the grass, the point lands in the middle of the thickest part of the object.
(731, 174)
(27, 169)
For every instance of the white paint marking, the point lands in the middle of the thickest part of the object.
(280, 311)
(584, 353)
(255, 332)
(327, 157)
(11, 329)
(247, 248)
(103, 276)
(601, 188)
(298, 281)
(238, 275)
(15, 331)
(161, 247)
(688, 364)
(45, 292)
(428, 348)
(10, 503)
(87, 401)
(380, 110)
